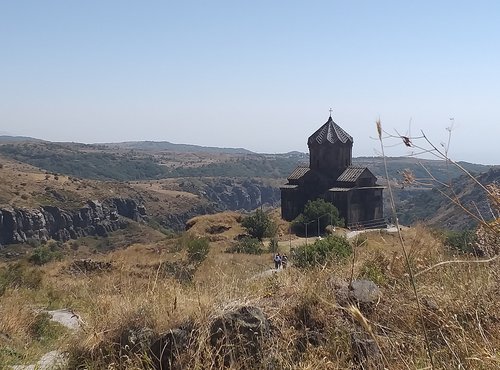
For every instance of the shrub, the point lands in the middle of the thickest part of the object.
(464, 241)
(318, 210)
(246, 245)
(43, 329)
(45, 254)
(34, 243)
(197, 249)
(372, 270)
(321, 251)
(259, 225)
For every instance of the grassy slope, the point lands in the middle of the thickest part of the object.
(460, 302)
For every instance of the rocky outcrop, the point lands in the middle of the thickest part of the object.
(234, 194)
(223, 194)
(48, 222)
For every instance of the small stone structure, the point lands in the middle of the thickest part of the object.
(332, 177)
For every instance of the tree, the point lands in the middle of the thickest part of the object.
(259, 225)
(318, 210)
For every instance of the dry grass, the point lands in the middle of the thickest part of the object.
(311, 328)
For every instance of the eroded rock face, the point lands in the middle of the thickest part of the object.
(248, 195)
(48, 222)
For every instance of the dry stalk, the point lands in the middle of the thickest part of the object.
(407, 260)
(456, 261)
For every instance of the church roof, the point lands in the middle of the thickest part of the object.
(298, 172)
(351, 174)
(329, 132)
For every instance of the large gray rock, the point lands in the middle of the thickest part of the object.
(236, 336)
(364, 292)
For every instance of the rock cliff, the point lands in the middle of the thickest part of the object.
(234, 194)
(48, 222)
(223, 194)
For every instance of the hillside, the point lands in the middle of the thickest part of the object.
(152, 160)
(169, 202)
(433, 208)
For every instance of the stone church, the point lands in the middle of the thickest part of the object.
(332, 177)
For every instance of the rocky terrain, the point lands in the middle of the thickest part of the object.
(19, 225)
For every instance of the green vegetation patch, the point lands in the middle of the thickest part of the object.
(321, 251)
(247, 245)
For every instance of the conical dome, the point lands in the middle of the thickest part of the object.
(330, 132)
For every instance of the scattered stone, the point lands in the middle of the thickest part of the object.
(309, 337)
(217, 229)
(430, 304)
(66, 318)
(365, 352)
(89, 265)
(49, 361)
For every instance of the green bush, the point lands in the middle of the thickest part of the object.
(259, 225)
(464, 241)
(247, 245)
(45, 254)
(315, 210)
(374, 272)
(321, 251)
(197, 249)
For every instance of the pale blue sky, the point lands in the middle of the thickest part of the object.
(255, 74)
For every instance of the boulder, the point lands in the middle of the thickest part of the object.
(236, 336)
(165, 351)
(364, 292)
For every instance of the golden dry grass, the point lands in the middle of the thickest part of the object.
(460, 303)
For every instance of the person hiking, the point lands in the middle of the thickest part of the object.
(277, 261)
(284, 261)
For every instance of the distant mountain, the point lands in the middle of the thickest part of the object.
(156, 146)
(16, 139)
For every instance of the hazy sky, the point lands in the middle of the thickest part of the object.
(255, 74)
